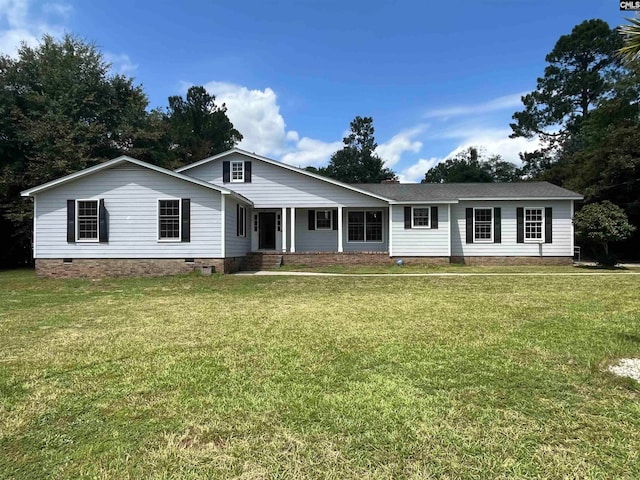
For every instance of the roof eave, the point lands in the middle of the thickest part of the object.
(537, 198)
(422, 202)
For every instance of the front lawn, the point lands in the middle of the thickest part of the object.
(318, 377)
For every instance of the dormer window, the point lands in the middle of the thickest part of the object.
(237, 171)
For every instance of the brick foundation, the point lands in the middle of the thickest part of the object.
(269, 261)
(131, 267)
(485, 261)
(153, 267)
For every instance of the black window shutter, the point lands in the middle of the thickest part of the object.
(247, 172)
(312, 219)
(334, 219)
(497, 225)
(548, 225)
(237, 220)
(469, 218)
(186, 220)
(434, 217)
(520, 225)
(226, 172)
(71, 221)
(103, 222)
(407, 218)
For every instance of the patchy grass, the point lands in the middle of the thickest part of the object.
(452, 268)
(318, 377)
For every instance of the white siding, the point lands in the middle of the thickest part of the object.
(131, 196)
(275, 187)
(420, 242)
(236, 246)
(314, 240)
(562, 231)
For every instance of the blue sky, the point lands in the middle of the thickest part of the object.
(435, 76)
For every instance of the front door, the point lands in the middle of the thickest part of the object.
(267, 230)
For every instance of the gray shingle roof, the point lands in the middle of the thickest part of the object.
(426, 192)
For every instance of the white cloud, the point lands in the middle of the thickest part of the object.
(497, 142)
(311, 152)
(415, 172)
(256, 114)
(120, 63)
(391, 150)
(24, 24)
(501, 103)
(493, 141)
(63, 10)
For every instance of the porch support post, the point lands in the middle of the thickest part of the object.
(223, 222)
(283, 228)
(293, 230)
(390, 212)
(340, 249)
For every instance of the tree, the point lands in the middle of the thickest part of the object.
(357, 162)
(602, 223)
(60, 111)
(199, 128)
(469, 167)
(582, 69)
(630, 52)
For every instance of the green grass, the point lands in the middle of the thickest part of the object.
(318, 377)
(451, 268)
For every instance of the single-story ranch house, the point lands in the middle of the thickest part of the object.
(241, 210)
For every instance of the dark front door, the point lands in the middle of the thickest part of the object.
(267, 230)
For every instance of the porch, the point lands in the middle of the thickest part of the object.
(322, 229)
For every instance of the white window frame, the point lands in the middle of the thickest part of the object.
(330, 227)
(524, 225)
(242, 220)
(77, 221)
(493, 218)
(413, 217)
(172, 239)
(365, 226)
(240, 178)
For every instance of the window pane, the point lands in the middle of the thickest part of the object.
(483, 227)
(237, 171)
(169, 219)
(374, 226)
(87, 220)
(533, 218)
(323, 219)
(355, 228)
(420, 217)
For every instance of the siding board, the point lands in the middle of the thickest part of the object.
(562, 231)
(131, 195)
(420, 242)
(275, 187)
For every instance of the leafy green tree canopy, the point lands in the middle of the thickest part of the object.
(60, 111)
(469, 167)
(199, 128)
(602, 223)
(582, 70)
(357, 162)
